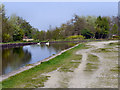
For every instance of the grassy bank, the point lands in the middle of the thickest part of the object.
(33, 78)
(17, 42)
(41, 41)
(60, 40)
(51, 41)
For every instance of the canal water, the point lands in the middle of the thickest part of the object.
(17, 57)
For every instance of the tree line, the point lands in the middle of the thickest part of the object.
(15, 28)
(89, 27)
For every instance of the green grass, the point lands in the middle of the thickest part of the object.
(93, 63)
(24, 79)
(36, 82)
(102, 50)
(12, 42)
(91, 67)
(115, 69)
(0, 86)
(71, 65)
(112, 44)
(17, 42)
(93, 58)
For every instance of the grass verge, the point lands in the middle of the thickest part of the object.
(25, 79)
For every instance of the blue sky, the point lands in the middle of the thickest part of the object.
(42, 14)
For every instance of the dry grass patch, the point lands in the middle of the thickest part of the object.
(93, 63)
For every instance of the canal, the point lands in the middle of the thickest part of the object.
(17, 57)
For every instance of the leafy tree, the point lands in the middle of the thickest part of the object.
(35, 33)
(0, 23)
(5, 25)
(102, 27)
(69, 30)
(56, 34)
(87, 33)
(7, 29)
(18, 34)
(79, 24)
(90, 24)
(27, 28)
(6, 37)
(15, 27)
(48, 35)
(114, 29)
(17, 31)
(42, 35)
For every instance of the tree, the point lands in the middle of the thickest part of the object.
(7, 30)
(27, 28)
(6, 37)
(69, 30)
(0, 23)
(56, 34)
(17, 31)
(90, 24)
(6, 34)
(18, 34)
(102, 27)
(87, 33)
(114, 29)
(42, 35)
(79, 24)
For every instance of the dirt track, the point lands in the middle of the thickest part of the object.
(100, 77)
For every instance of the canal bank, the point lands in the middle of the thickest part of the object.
(32, 65)
(35, 77)
(48, 66)
(8, 45)
(17, 55)
(32, 50)
(15, 58)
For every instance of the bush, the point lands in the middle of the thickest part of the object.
(75, 37)
(6, 38)
(116, 37)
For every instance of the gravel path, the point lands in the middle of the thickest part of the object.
(102, 77)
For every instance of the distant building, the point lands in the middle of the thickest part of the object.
(114, 35)
(25, 38)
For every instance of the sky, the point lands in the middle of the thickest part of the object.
(60, 0)
(43, 14)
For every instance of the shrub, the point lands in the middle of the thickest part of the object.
(116, 37)
(75, 37)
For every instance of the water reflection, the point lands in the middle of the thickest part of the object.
(15, 58)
